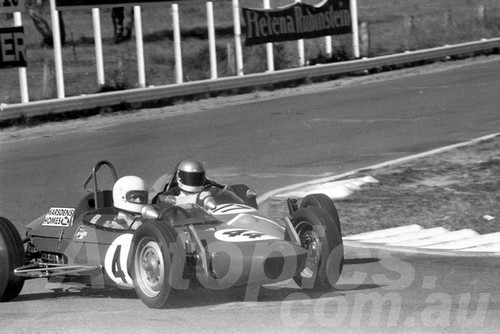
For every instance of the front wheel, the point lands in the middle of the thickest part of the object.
(11, 257)
(318, 234)
(324, 202)
(157, 264)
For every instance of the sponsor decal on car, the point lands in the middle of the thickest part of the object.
(80, 233)
(59, 217)
(95, 219)
(242, 235)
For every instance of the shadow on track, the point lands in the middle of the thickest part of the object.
(199, 296)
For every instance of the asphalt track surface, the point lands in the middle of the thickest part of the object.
(270, 143)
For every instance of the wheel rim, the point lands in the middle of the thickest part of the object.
(149, 267)
(310, 240)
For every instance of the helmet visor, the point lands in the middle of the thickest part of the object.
(137, 196)
(195, 179)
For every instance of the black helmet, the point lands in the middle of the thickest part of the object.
(190, 176)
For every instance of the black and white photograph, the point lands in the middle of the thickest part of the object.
(249, 166)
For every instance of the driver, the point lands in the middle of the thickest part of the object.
(130, 195)
(191, 181)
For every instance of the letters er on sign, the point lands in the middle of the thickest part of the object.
(12, 48)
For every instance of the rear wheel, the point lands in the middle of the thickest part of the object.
(241, 191)
(157, 264)
(11, 257)
(318, 233)
(324, 202)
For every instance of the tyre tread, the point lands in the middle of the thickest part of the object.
(11, 285)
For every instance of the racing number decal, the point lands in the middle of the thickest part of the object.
(115, 261)
(241, 235)
(116, 267)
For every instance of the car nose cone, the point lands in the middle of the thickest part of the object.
(257, 262)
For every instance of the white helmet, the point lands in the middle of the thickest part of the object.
(130, 194)
(190, 176)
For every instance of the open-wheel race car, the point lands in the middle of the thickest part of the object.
(222, 242)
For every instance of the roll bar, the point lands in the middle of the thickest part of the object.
(93, 175)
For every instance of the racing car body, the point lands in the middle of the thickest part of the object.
(221, 243)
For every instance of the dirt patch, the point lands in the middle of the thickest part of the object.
(455, 189)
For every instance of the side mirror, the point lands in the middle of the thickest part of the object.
(148, 212)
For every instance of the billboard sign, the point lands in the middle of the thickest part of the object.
(297, 21)
(12, 49)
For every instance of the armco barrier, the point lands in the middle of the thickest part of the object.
(85, 102)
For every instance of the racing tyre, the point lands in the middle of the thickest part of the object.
(318, 233)
(11, 257)
(241, 191)
(157, 264)
(324, 202)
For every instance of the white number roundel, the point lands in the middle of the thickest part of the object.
(115, 261)
(241, 235)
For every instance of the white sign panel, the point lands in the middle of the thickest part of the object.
(59, 217)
